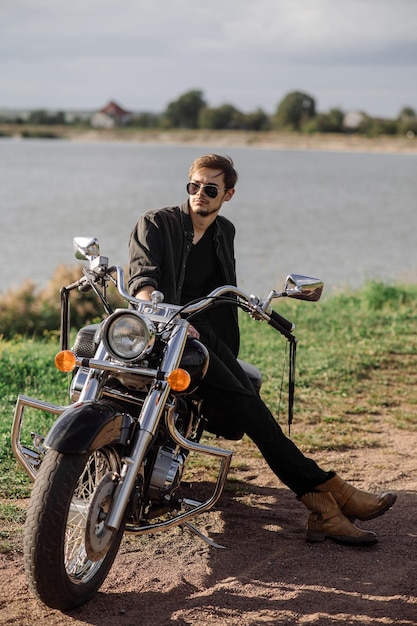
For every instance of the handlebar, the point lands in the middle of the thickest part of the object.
(256, 307)
(278, 320)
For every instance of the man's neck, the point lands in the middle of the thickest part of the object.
(201, 224)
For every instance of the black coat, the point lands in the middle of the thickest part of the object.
(158, 248)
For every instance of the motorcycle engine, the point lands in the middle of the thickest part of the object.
(169, 465)
(167, 471)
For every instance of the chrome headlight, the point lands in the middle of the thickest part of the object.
(128, 335)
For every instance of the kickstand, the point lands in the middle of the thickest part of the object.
(202, 536)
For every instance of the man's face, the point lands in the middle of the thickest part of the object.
(201, 204)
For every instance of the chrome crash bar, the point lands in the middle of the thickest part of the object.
(30, 460)
(182, 519)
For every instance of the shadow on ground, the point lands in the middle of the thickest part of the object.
(268, 574)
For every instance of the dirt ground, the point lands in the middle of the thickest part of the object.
(267, 574)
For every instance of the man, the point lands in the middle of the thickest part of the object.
(185, 252)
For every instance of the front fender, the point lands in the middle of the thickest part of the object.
(87, 426)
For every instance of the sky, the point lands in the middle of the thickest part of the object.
(78, 55)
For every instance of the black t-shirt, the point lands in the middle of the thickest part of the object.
(202, 272)
(202, 275)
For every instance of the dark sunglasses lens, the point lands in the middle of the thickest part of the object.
(211, 191)
(192, 188)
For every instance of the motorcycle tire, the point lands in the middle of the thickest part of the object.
(68, 552)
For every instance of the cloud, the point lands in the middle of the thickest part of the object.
(300, 30)
(247, 53)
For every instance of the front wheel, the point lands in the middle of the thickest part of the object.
(68, 551)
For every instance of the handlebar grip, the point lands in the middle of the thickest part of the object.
(279, 322)
(84, 287)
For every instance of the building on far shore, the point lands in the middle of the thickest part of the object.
(353, 119)
(111, 116)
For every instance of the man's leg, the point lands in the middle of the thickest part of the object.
(232, 391)
(321, 492)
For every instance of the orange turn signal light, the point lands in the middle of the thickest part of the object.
(179, 380)
(65, 361)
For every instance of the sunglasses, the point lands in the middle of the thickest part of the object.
(210, 190)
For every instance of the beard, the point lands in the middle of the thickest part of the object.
(205, 212)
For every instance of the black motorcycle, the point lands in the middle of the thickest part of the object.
(114, 459)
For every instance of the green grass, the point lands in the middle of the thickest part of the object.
(356, 367)
(356, 364)
(26, 367)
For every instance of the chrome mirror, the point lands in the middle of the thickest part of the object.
(86, 248)
(303, 287)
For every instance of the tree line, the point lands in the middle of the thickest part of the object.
(297, 112)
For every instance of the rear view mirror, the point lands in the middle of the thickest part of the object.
(86, 248)
(303, 287)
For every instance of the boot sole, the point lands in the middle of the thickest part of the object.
(317, 537)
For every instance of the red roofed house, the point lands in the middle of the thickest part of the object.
(110, 116)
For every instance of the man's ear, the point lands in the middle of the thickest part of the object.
(228, 195)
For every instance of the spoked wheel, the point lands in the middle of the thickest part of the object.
(67, 548)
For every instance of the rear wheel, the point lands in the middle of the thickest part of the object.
(68, 550)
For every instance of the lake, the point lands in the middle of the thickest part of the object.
(342, 217)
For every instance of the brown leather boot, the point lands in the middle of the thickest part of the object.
(327, 520)
(355, 503)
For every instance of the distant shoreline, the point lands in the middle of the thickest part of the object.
(271, 140)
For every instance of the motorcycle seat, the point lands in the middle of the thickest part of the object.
(252, 372)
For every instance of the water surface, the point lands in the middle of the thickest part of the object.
(343, 217)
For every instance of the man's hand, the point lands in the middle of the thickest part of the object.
(145, 292)
(193, 332)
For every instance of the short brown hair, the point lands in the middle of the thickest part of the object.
(217, 162)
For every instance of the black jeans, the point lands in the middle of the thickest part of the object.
(227, 385)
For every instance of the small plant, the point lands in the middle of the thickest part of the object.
(30, 312)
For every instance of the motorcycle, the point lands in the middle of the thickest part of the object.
(113, 461)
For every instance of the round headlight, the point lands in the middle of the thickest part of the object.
(127, 335)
